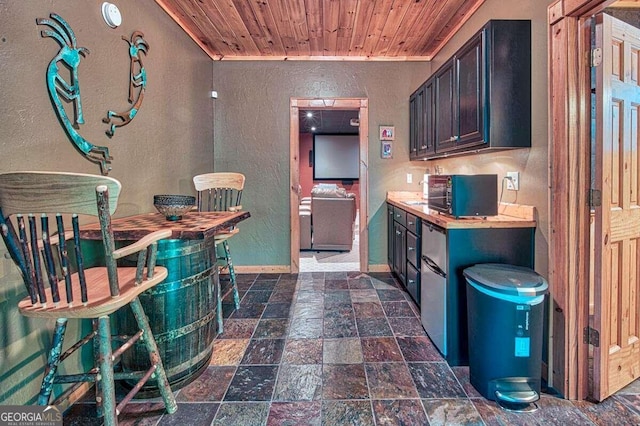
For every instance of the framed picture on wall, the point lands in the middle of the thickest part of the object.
(387, 133)
(386, 151)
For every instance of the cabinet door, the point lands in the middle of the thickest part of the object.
(470, 81)
(399, 252)
(413, 249)
(427, 146)
(416, 124)
(390, 235)
(445, 115)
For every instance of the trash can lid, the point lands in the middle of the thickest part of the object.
(507, 279)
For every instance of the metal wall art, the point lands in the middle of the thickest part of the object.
(69, 57)
(137, 81)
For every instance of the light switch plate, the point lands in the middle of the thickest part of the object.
(409, 178)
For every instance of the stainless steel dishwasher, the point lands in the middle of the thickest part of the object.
(433, 299)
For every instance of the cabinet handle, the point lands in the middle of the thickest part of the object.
(398, 232)
(423, 146)
(411, 281)
(411, 248)
(410, 223)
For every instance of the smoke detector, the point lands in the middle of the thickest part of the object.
(111, 14)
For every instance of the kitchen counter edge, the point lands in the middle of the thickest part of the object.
(519, 217)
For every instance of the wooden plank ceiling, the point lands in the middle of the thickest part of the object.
(400, 30)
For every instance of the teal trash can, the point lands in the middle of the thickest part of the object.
(505, 320)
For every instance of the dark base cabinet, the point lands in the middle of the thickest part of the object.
(467, 247)
(403, 249)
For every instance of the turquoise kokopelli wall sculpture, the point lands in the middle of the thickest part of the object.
(137, 81)
(69, 56)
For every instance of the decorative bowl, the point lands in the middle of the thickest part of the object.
(174, 206)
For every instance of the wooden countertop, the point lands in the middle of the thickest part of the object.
(193, 225)
(510, 215)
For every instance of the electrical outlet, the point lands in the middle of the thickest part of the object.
(409, 178)
(513, 181)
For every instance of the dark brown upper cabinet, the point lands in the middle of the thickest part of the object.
(481, 96)
(421, 132)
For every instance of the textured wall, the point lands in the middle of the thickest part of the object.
(169, 141)
(252, 136)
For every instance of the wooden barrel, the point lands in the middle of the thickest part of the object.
(182, 314)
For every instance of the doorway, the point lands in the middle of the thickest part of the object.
(324, 104)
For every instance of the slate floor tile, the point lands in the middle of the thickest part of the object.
(364, 296)
(252, 383)
(462, 374)
(398, 309)
(277, 310)
(210, 386)
(263, 351)
(310, 297)
(338, 310)
(344, 381)
(241, 413)
(452, 412)
(299, 383)
(418, 349)
(337, 296)
(295, 413)
(342, 351)
(261, 284)
(435, 380)
(372, 327)
(256, 296)
(340, 327)
(238, 328)
(271, 329)
(392, 412)
(306, 328)
(390, 380)
(228, 351)
(353, 413)
(381, 349)
(249, 310)
(308, 310)
(191, 413)
(303, 351)
(611, 411)
(409, 326)
(368, 310)
(282, 296)
(342, 284)
(390, 295)
(362, 283)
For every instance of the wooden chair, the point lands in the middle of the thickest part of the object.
(222, 192)
(59, 285)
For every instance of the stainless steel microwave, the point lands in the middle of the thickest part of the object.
(464, 195)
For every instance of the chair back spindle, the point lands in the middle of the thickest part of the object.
(219, 191)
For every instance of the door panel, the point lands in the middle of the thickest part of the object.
(617, 220)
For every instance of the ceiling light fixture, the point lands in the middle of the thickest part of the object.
(313, 129)
(309, 114)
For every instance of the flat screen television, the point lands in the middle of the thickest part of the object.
(336, 157)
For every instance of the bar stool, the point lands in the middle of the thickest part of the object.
(222, 192)
(60, 287)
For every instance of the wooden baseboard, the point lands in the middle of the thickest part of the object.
(262, 269)
(379, 268)
(285, 269)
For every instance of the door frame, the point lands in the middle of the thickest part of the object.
(360, 104)
(569, 149)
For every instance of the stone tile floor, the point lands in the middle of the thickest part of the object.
(338, 348)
